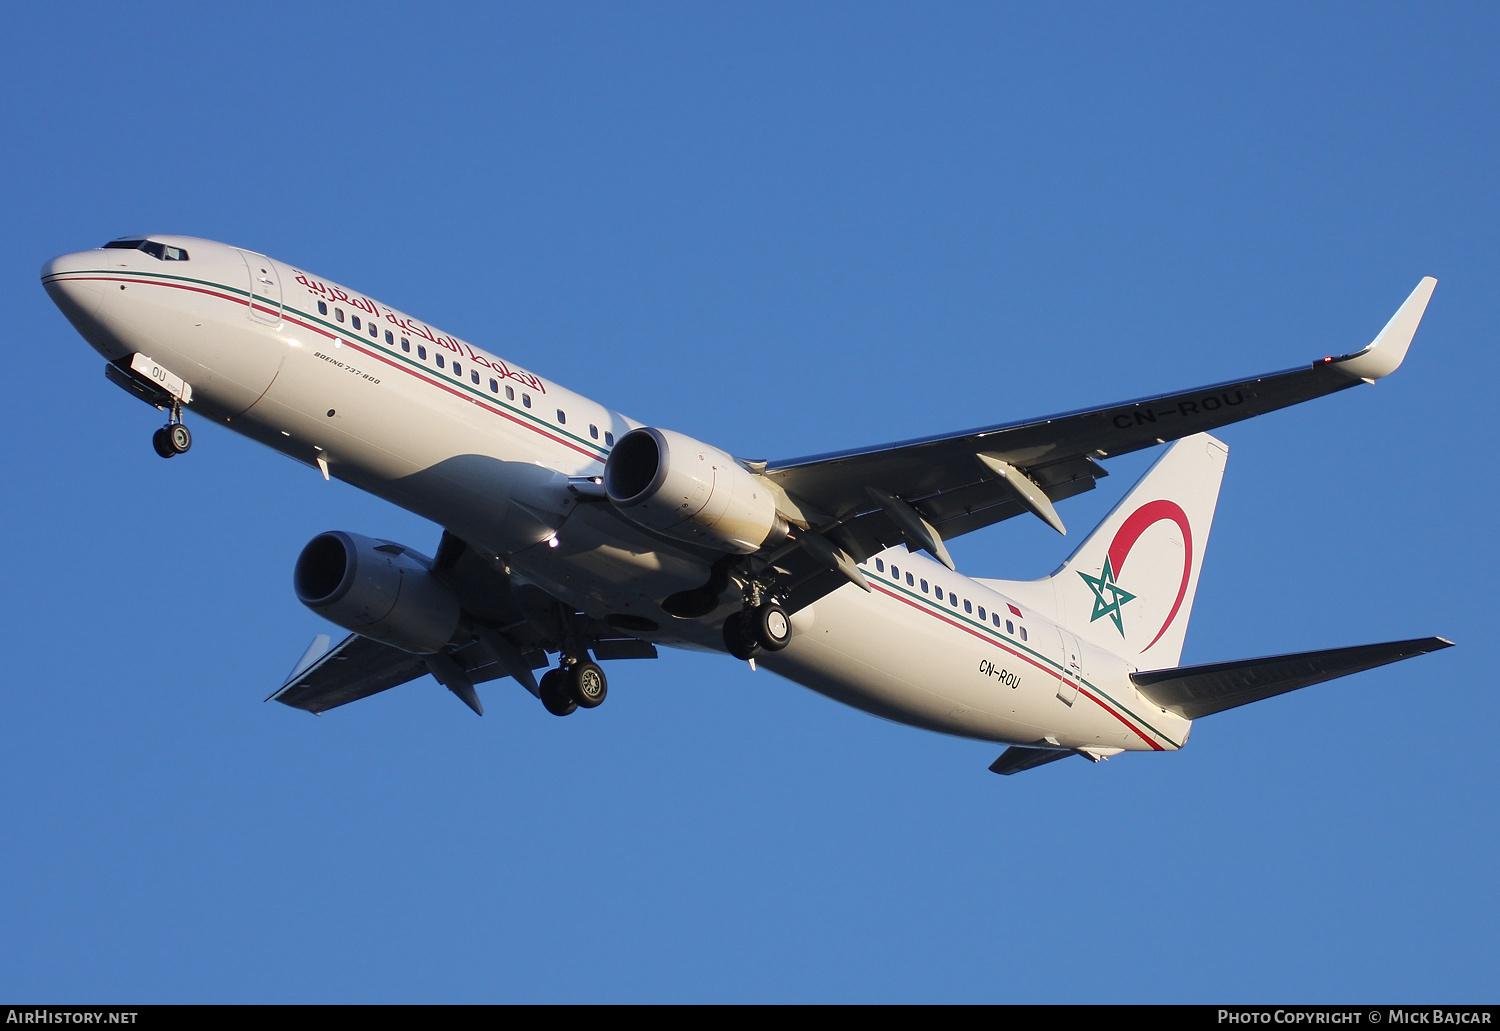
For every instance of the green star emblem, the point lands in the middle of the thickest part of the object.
(1101, 585)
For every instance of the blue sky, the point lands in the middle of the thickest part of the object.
(784, 229)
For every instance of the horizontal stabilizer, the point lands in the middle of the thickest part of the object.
(1019, 757)
(1194, 691)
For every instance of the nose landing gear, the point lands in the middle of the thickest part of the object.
(174, 438)
(575, 684)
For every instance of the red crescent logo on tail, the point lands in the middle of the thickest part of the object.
(1140, 520)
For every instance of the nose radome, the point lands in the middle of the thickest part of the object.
(77, 294)
(78, 261)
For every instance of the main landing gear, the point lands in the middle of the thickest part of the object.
(758, 627)
(174, 438)
(573, 685)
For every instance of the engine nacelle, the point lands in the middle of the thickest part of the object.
(378, 590)
(687, 489)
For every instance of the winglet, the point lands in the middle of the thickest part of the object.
(1386, 351)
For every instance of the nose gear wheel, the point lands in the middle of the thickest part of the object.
(174, 438)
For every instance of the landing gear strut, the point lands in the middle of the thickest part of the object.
(174, 438)
(573, 685)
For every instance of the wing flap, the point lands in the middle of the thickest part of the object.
(1194, 691)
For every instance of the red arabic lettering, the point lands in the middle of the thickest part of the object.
(420, 329)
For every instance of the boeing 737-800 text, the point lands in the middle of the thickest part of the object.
(575, 531)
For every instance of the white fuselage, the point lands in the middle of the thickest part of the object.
(456, 434)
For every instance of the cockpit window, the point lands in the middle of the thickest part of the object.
(159, 251)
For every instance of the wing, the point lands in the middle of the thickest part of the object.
(355, 668)
(510, 630)
(965, 481)
(1018, 758)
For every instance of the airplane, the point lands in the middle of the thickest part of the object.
(572, 530)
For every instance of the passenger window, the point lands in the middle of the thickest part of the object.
(422, 352)
(967, 606)
(390, 338)
(510, 394)
(1023, 633)
(995, 618)
(938, 591)
(458, 370)
(1010, 627)
(338, 313)
(354, 321)
(908, 580)
(562, 417)
(593, 431)
(609, 438)
(375, 332)
(439, 361)
(405, 344)
(526, 400)
(879, 566)
(494, 387)
(982, 616)
(924, 586)
(953, 599)
(322, 308)
(473, 375)
(895, 573)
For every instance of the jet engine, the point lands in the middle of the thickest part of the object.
(377, 589)
(690, 490)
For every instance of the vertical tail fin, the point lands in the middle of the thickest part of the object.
(1129, 588)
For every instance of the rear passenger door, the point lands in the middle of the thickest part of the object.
(1072, 671)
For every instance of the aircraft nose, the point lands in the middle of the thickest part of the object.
(70, 286)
